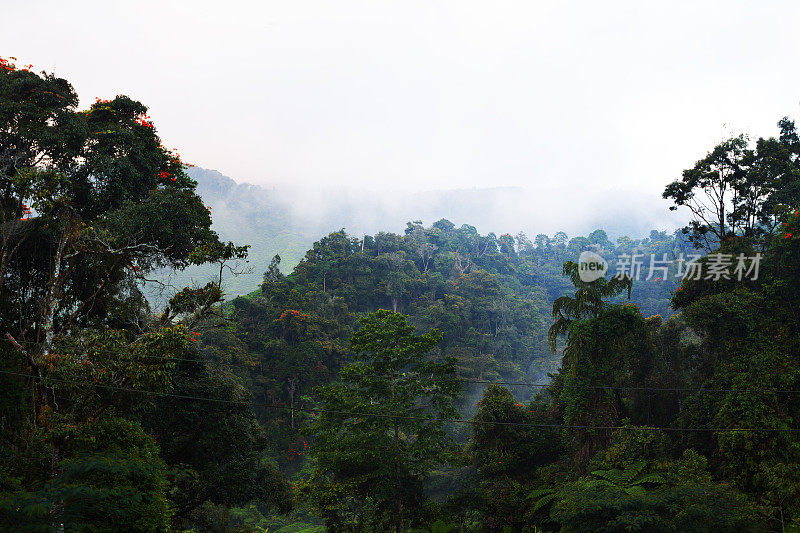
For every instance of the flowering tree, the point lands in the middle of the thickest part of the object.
(90, 202)
(738, 189)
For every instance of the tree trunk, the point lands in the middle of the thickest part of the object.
(397, 495)
(292, 388)
(398, 498)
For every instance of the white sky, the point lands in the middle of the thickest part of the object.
(432, 94)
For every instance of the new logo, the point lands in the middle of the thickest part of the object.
(591, 266)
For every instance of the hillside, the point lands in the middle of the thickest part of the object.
(286, 220)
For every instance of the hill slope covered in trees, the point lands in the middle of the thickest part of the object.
(286, 220)
(390, 381)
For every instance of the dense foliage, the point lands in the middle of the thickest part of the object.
(656, 419)
(438, 380)
(100, 428)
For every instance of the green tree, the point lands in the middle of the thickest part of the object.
(510, 441)
(381, 429)
(90, 203)
(587, 301)
(739, 189)
(707, 190)
(681, 495)
(112, 480)
(217, 451)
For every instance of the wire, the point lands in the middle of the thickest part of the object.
(516, 383)
(358, 414)
(656, 389)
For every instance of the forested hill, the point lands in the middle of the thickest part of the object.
(491, 297)
(310, 393)
(286, 220)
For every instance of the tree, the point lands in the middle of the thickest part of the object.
(740, 190)
(90, 201)
(600, 238)
(217, 451)
(381, 429)
(507, 448)
(680, 495)
(273, 273)
(707, 190)
(113, 480)
(328, 254)
(587, 302)
(772, 186)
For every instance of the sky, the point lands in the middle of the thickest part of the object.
(567, 97)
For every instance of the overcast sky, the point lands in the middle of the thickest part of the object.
(430, 94)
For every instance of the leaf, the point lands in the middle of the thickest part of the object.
(538, 493)
(650, 478)
(612, 476)
(544, 501)
(636, 490)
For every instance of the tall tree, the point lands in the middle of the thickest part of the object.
(707, 190)
(90, 201)
(587, 301)
(381, 429)
(739, 189)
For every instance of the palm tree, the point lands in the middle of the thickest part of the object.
(587, 301)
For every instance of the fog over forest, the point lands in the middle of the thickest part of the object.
(399, 266)
(286, 220)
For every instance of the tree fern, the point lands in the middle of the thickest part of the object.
(630, 479)
(543, 497)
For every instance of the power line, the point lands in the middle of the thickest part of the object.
(358, 414)
(167, 359)
(630, 388)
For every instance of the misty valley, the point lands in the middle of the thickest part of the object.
(181, 351)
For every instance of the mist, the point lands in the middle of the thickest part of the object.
(413, 96)
(287, 219)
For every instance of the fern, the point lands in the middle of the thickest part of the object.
(543, 497)
(631, 480)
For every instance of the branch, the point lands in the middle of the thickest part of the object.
(24, 352)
